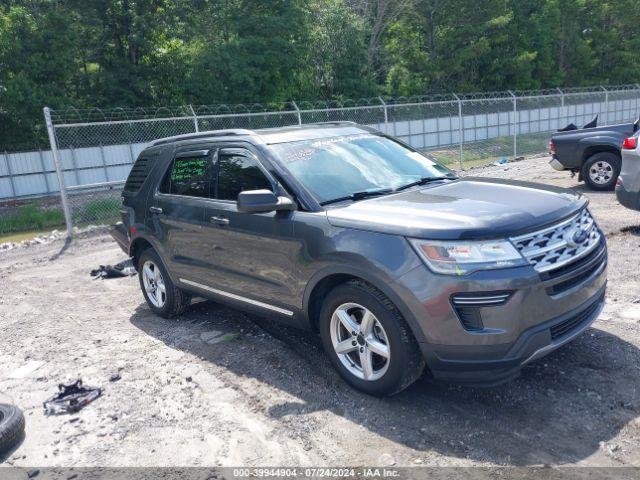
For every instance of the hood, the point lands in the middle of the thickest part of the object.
(469, 208)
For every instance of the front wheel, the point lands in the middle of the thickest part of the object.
(601, 170)
(368, 340)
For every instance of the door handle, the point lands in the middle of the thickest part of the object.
(222, 221)
(157, 210)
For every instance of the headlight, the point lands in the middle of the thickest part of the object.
(462, 258)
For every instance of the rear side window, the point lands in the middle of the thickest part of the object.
(138, 173)
(237, 173)
(190, 176)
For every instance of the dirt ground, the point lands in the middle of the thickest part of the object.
(214, 388)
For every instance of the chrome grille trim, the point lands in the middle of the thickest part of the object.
(479, 300)
(549, 248)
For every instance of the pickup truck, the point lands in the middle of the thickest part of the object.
(592, 152)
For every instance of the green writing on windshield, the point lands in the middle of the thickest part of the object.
(186, 169)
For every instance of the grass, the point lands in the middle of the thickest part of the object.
(31, 218)
(103, 210)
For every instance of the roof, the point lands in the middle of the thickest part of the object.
(277, 135)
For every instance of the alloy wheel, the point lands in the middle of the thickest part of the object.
(360, 341)
(154, 284)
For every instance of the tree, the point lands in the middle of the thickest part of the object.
(110, 53)
(38, 66)
(248, 56)
(335, 63)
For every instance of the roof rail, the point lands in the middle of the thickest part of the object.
(205, 134)
(337, 122)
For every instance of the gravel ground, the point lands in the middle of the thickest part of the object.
(214, 388)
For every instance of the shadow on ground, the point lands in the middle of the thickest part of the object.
(560, 411)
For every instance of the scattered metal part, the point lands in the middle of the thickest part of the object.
(71, 398)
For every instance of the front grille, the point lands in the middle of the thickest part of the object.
(561, 244)
(571, 323)
(582, 269)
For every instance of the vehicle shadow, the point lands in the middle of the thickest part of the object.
(560, 411)
(583, 188)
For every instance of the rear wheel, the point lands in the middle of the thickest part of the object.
(368, 340)
(601, 170)
(162, 296)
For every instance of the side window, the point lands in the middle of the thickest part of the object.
(188, 176)
(237, 173)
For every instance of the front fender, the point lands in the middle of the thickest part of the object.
(378, 279)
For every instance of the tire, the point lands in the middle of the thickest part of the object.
(11, 426)
(600, 171)
(387, 375)
(166, 300)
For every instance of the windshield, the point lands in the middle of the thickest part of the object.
(351, 166)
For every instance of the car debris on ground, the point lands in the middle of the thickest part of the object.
(71, 398)
(119, 270)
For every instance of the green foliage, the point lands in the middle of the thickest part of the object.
(98, 211)
(110, 53)
(334, 59)
(30, 217)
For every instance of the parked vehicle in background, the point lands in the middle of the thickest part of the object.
(628, 184)
(592, 152)
(388, 255)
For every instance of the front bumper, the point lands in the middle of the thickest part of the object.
(540, 315)
(533, 344)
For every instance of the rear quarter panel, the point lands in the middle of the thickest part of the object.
(574, 147)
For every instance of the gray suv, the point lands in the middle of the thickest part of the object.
(396, 262)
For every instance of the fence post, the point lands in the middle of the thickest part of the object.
(460, 140)
(637, 100)
(297, 112)
(386, 115)
(606, 104)
(56, 160)
(195, 118)
(515, 124)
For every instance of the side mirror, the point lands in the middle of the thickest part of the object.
(263, 201)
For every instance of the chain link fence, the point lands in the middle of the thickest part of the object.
(78, 182)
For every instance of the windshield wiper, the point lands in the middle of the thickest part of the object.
(385, 191)
(359, 195)
(424, 181)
